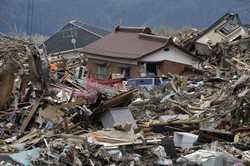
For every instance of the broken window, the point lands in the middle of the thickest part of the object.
(157, 81)
(229, 27)
(101, 71)
(145, 82)
(151, 69)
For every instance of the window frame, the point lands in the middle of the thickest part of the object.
(103, 73)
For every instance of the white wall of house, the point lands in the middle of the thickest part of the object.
(173, 54)
(217, 37)
(212, 36)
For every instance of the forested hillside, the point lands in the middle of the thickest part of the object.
(50, 15)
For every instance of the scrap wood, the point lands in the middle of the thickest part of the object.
(136, 142)
(152, 124)
(28, 118)
(190, 128)
(52, 112)
(143, 147)
(75, 85)
(173, 86)
(66, 125)
(113, 136)
(211, 98)
(240, 62)
(79, 132)
(34, 142)
(181, 110)
(123, 98)
(241, 129)
(174, 128)
(74, 126)
(73, 136)
(195, 108)
(118, 127)
(192, 117)
(173, 101)
(29, 136)
(69, 118)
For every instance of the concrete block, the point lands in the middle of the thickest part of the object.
(120, 115)
(184, 140)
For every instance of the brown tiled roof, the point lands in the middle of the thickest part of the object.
(128, 43)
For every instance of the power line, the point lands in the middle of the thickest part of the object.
(30, 14)
(31, 17)
(28, 17)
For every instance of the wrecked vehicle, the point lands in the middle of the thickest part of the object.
(146, 83)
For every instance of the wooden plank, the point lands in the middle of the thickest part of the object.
(240, 62)
(75, 114)
(173, 86)
(75, 85)
(66, 125)
(115, 101)
(152, 124)
(81, 137)
(31, 113)
(143, 147)
(136, 142)
(174, 128)
(28, 136)
(241, 129)
(180, 109)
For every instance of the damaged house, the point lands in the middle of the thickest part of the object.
(73, 37)
(135, 52)
(226, 29)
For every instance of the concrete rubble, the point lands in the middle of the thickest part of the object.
(50, 116)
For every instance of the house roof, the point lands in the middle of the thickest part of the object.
(83, 34)
(98, 31)
(226, 16)
(129, 43)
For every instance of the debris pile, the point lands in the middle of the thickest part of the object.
(52, 114)
(46, 112)
(203, 107)
(49, 116)
(185, 36)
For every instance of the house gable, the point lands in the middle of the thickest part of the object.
(171, 53)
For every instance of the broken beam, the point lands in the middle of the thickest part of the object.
(31, 113)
